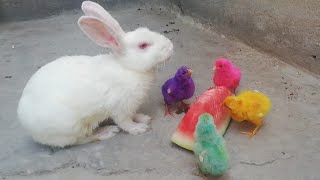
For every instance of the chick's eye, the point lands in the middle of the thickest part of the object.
(143, 45)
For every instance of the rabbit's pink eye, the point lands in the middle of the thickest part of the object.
(143, 45)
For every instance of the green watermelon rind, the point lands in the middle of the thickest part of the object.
(180, 139)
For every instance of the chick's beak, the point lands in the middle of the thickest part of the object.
(189, 72)
(214, 68)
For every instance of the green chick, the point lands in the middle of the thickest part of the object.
(209, 148)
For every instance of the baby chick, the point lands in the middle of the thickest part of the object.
(226, 74)
(249, 105)
(209, 148)
(178, 88)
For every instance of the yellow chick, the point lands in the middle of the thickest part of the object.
(251, 106)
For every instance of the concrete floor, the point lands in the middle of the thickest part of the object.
(286, 147)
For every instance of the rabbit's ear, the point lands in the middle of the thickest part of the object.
(95, 10)
(100, 32)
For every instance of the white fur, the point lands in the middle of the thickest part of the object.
(66, 99)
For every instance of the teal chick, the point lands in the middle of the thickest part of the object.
(209, 148)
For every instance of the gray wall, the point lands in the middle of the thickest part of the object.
(287, 28)
(27, 9)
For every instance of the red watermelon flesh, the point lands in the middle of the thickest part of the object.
(211, 101)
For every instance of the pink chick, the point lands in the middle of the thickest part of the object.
(226, 74)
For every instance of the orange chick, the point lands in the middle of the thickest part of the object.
(250, 106)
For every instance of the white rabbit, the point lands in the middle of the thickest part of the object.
(65, 100)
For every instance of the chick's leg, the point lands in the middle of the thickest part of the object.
(167, 110)
(258, 123)
(251, 134)
(255, 130)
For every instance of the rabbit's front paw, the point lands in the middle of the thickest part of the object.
(107, 132)
(142, 118)
(137, 128)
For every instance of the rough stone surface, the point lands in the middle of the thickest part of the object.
(288, 29)
(30, 9)
(286, 147)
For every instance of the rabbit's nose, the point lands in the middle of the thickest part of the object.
(169, 45)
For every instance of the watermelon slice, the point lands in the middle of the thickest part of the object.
(211, 101)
